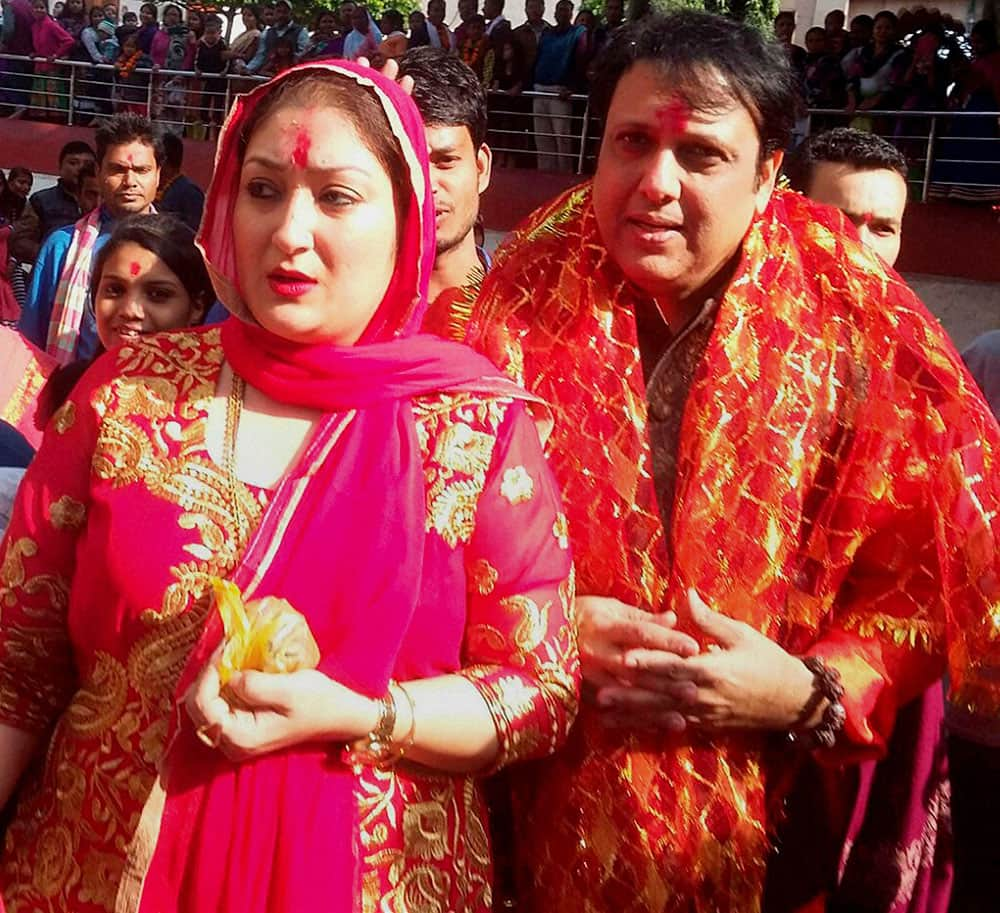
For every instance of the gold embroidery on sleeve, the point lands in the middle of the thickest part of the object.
(457, 434)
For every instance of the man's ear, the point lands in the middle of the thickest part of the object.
(767, 176)
(484, 165)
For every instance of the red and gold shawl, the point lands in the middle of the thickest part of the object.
(837, 488)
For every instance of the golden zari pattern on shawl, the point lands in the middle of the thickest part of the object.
(837, 489)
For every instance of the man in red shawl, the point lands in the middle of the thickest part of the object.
(781, 485)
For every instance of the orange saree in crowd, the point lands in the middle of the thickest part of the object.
(836, 488)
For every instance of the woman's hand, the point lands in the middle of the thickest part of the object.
(744, 680)
(608, 630)
(274, 711)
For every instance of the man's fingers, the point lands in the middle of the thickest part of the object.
(683, 693)
(658, 720)
(727, 631)
(634, 628)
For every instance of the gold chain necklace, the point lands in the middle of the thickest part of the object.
(234, 410)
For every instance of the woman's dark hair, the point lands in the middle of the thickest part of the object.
(11, 205)
(887, 14)
(173, 6)
(170, 240)
(446, 91)
(317, 88)
(173, 242)
(254, 10)
(151, 6)
(688, 47)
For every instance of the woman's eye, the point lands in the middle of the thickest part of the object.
(111, 290)
(333, 197)
(158, 294)
(261, 190)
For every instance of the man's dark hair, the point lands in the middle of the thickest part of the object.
(126, 128)
(986, 31)
(689, 45)
(445, 91)
(476, 19)
(393, 19)
(863, 19)
(283, 3)
(75, 147)
(89, 170)
(214, 19)
(783, 15)
(842, 145)
(173, 150)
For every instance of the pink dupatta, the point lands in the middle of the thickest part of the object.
(342, 540)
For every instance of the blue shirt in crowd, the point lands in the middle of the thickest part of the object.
(37, 312)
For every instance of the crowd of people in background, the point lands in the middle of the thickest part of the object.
(918, 60)
(736, 747)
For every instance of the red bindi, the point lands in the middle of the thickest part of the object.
(134, 268)
(674, 117)
(300, 155)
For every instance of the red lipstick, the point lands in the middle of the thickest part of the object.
(290, 283)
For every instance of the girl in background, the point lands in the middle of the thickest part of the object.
(50, 40)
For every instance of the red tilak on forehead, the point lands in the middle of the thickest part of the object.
(134, 268)
(300, 154)
(673, 117)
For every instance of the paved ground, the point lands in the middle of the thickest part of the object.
(965, 308)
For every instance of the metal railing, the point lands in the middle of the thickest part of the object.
(942, 148)
(76, 92)
(529, 129)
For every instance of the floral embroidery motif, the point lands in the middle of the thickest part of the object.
(463, 430)
(67, 513)
(483, 576)
(517, 486)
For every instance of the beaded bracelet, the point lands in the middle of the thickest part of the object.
(826, 686)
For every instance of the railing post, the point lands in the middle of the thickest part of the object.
(583, 138)
(228, 101)
(149, 94)
(929, 160)
(72, 94)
